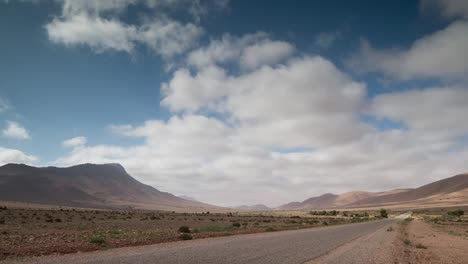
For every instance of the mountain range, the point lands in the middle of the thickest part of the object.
(89, 186)
(110, 186)
(447, 192)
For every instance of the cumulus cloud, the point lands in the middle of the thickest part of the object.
(97, 24)
(16, 131)
(442, 54)
(256, 101)
(265, 53)
(74, 142)
(433, 112)
(100, 34)
(249, 51)
(15, 156)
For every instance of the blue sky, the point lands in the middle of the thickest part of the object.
(178, 92)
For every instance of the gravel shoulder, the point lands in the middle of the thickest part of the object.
(426, 243)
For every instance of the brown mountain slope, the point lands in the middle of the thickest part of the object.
(446, 192)
(327, 200)
(444, 187)
(86, 185)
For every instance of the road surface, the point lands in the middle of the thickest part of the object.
(351, 243)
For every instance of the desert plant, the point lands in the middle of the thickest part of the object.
(407, 242)
(457, 213)
(383, 213)
(236, 224)
(419, 245)
(97, 240)
(184, 229)
(185, 236)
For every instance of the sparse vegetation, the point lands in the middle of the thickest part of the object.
(457, 213)
(421, 246)
(97, 239)
(383, 213)
(184, 229)
(407, 242)
(84, 230)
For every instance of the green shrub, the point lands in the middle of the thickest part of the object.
(383, 213)
(458, 213)
(184, 229)
(97, 240)
(185, 236)
(407, 242)
(236, 224)
(421, 246)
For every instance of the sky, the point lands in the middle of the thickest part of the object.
(239, 102)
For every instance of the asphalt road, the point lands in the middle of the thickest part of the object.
(298, 246)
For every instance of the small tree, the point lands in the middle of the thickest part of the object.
(383, 213)
(457, 213)
(184, 229)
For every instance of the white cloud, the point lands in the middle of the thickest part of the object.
(442, 54)
(265, 53)
(168, 37)
(100, 34)
(314, 89)
(16, 131)
(434, 112)
(74, 142)
(249, 50)
(97, 24)
(15, 156)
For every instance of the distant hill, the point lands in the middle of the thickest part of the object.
(87, 185)
(256, 207)
(446, 192)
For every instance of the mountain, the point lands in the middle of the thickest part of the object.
(256, 207)
(446, 192)
(436, 191)
(327, 200)
(87, 185)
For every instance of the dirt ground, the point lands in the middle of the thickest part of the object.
(38, 231)
(422, 241)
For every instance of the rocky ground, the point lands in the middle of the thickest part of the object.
(421, 240)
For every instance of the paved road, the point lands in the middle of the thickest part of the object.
(298, 246)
